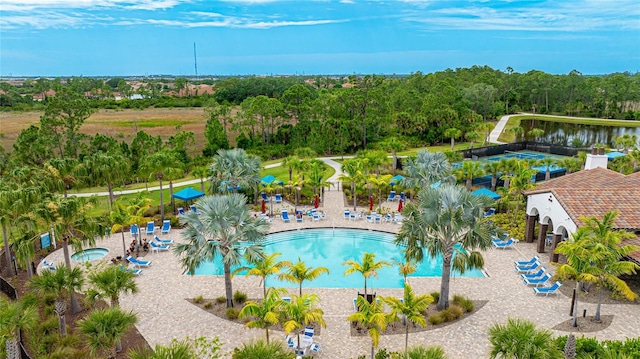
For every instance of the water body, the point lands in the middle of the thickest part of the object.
(566, 134)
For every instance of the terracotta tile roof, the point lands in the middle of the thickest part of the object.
(635, 241)
(594, 178)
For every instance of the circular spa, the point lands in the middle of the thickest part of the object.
(89, 254)
(328, 247)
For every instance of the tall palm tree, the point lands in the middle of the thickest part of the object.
(353, 171)
(371, 316)
(547, 162)
(535, 133)
(368, 267)
(220, 228)
(299, 272)
(452, 133)
(107, 168)
(442, 219)
(519, 182)
(380, 183)
(234, 168)
(520, 338)
(266, 313)
(394, 145)
(469, 171)
(517, 132)
(472, 137)
(201, 173)
(23, 243)
(264, 267)
(72, 223)
(301, 311)
(14, 317)
(493, 168)
(315, 174)
(426, 168)
(61, 174)
(291, 163)
(104, 328)
(410, 307)
(59, 283)
(162, 165)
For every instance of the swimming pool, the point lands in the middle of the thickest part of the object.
(89, 254)
(328, 247)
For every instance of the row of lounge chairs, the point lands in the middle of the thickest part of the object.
(503, 243)
(392, 196)
(277, 199)
(373, 217)
(151, 228)
(314, 213)
(192, 207)
(533, 273)
(307, 343)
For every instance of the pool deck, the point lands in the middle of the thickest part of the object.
(164, 313)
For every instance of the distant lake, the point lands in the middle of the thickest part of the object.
(561, 133)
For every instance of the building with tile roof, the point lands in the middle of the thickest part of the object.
(558, 204)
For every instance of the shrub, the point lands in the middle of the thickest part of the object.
(221, 299)
(436, 296)
(382, 354)
(232, 313)
(198, 299)
(465, 303)
(208, 305)
(435, 319)
(239, 297)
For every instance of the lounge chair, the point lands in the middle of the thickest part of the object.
(285, 216)
(138, 262)
(346, 214)
(369, 218)
(278, 198)
(528, 268)
(48, 265)
(151, 227)
(166, 227)
(553, 289)
(316, 217)
(299, 216)
(193, 208)
(387, 218)
(526, 263)
(315, 348)
(353, 216)
(537, 274)
(402, 197)
(290, 342)
(377, 219)
(538, 281)
(134, 271)
(158, 247)
(392, 196)
(162, 242)
(490, 212)
(308, 331)
(180, 210)
(286, 299)
(507, 244)
(134, 230)
(355, 305)
(264, 197)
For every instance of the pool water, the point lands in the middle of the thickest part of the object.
(329, 248)
(89, 254)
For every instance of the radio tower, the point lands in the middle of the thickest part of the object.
(195, 59)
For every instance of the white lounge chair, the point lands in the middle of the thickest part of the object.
(158, 247)
(537, 281)
(48, 265)
(162, 242)
(553, 289)
(138, 262)
(285, 216)
(134, 230)
(151, 227)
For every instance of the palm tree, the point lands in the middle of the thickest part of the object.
(371, 316)
(219, 228)
(23, 243)
(426, 168)
(124, 215)
(571, 164)
(472, 137)
(442, 220)
(161, 165)
(234, 168)
(201, 172)
(547, 162)
(411, 307)
(405, 268)
(258, 349)
(14, 317)
(61, 173)
(59, 283)
(452, 133)
(368, 267)
(353, 172)
(299, 272)
(594, 255)
(517, 132)
(265, 314)
(486, 127)
(264, 267)
(519, 182)
(107, 168)
(535, 133)
(494, 169)
(520, 338)
(380, 183)
(315, 173)
(394, 145)
(469, 171)
(104, 328)
(111, 282)
(300, 312)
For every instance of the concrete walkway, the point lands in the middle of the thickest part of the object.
(164, 312)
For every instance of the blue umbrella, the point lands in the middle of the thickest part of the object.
(486, 192)
(188, 194)
(396, 179)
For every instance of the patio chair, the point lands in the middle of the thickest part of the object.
(285, 216)
(193, 208)
(134, 230)
(323, 215)
(151, 227)
(346, 214)
(538, 281)
(507, 244)
(369, 218)
(138, 262)
(299, 216)
(377, 219)
(166, 227)
(158, 247)
(528, 268)
(525, 263)
(387, 218)
(490, 212)
(402, 197)
(392, 196)
(290, 342)
(48, 265)
(264, 197)
(316, 217)
(353, 216)
(180, 210)
(308, 331)
(553, 289)
(162, 242)
(537, 274)
(278, 198)
(135, 272)
(315, 348)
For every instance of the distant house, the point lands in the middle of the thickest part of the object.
(43, 95)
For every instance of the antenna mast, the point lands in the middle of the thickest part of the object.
(195, 59)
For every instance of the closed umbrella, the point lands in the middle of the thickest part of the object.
(315, 202)
(370, 203)
(264, 209)
(400, 206)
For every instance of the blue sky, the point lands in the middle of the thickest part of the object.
(262, 37)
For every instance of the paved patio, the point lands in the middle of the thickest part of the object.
(164, 313)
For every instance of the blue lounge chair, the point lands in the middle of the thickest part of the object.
(290, 342)
(490, 212)
(537, 274)
(538, 281)
(316, 216)
(138, 262)
(526, 263)
(315, 348)
(377, 219)
(553, 289)
(299, 216)
(278, 198)
(162, 242)
(392, 196)
(285, 216)
(166, 227)
(402, 197)
(346, 214)
(180, 210)
(134, 230)
(151, 227)
(528, 268)
(48, 265)
(308, 331)
(264, 197)
(193, 208)
(135, 272)
(507, 244)
(158, 247)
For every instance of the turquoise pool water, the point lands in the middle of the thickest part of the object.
(89, 254)
(329, 248)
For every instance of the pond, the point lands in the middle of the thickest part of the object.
(568, 134)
